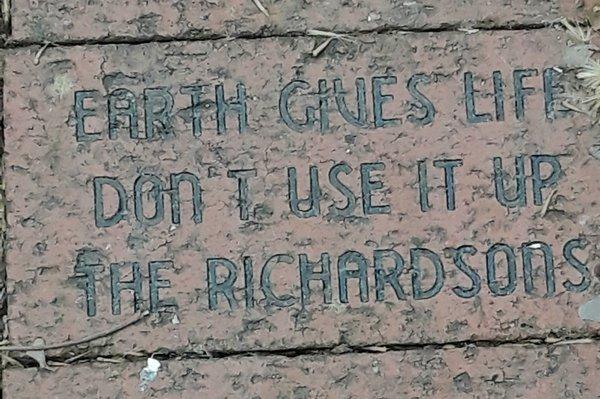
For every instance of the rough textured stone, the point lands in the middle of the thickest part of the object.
(508, 372)
(76, 20)
(49, 188)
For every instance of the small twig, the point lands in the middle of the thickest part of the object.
(575, 341)
(261, 7)
(77, 357)
(333, 35)
(38, 55)
(319, 49)
(84, 340)
(377, 349)
(109, 360)
(330, 37)
(468, 31)
(317, 32)
(547, 203)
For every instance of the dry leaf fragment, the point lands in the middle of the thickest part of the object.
(590, 74)
(39, 355)
(576, 32)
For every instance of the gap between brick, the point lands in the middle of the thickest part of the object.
(194, 36)
(333, 350)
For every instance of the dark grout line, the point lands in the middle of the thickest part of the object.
(3, 225)
(338, 350)
(192, 36)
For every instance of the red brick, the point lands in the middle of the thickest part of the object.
(73, 20)
(505, 372)
(50, 194)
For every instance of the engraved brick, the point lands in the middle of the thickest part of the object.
(60, 235)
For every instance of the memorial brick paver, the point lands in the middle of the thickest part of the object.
(402, 189)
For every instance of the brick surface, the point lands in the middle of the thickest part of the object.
(76, 20)
(50, 193)
(507, 372)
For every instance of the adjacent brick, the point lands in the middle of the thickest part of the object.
(34, 20)
(506, 372)
(50, 193)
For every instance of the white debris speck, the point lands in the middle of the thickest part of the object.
(375, 367)
(536, 245)
(148, 373)
(373, 17)
(468, 31)
(153, 365)
(175, 319)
